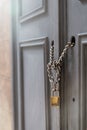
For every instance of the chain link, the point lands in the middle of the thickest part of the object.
(54, 67)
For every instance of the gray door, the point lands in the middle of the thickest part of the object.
(75, 80)
(34, 26)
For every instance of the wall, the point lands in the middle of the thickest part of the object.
(5, 67)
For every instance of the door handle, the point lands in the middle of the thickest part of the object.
(54, 71)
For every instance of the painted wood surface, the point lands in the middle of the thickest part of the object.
(34, 26)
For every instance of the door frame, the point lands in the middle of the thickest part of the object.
(14, 16)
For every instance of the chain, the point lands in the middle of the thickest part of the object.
(54, 67)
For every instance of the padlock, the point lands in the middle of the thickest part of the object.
(54, 99)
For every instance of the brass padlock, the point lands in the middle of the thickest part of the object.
(55, 99)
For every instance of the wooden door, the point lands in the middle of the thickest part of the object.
(34, 26)
(74, 112)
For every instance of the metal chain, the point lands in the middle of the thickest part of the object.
(55, 66)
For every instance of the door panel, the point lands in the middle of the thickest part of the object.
(29, 9)
(33, 73)
(83, 79)
(29, 6)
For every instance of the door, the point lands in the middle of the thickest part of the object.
(34, 26)
(75, 80)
